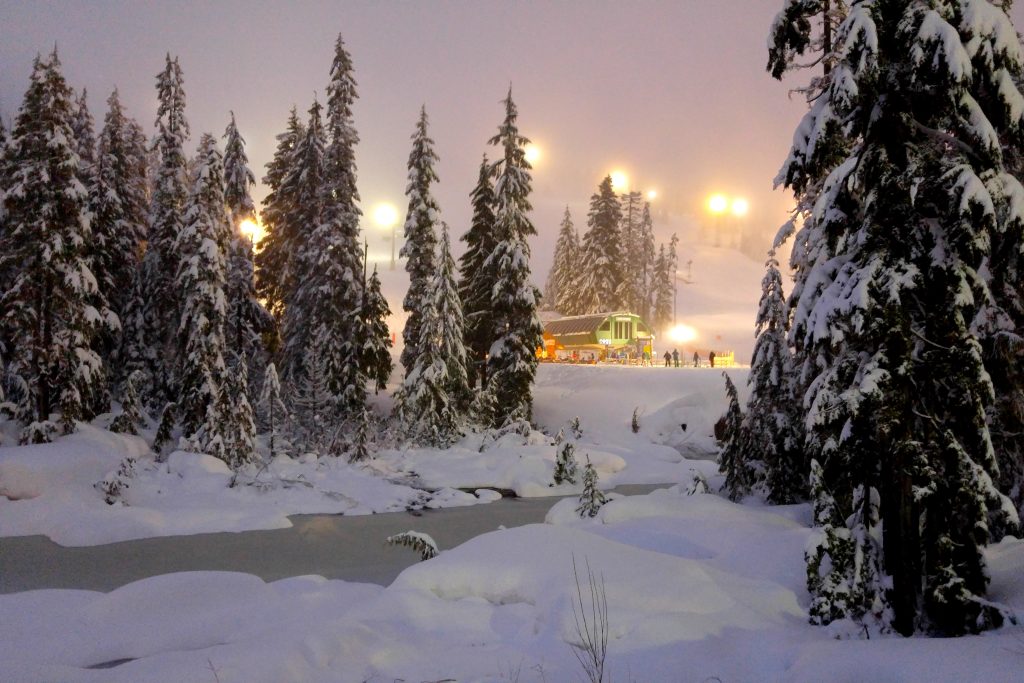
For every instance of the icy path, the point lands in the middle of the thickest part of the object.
(333, 546)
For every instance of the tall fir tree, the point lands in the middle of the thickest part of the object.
(645, 263)
(334, 281)
(662, 297)
(420, 233)
(435, 392)
(476, 282)
(518, 333)
(273, 412)
(200, 282)
(161, 261)
(84, 128)
(246, 319)
(600, 276)
(560, 292)
(897, 395)
(774, 437)
(631, 250)
(117, 200)
(46, 304)
(302, 214)
(376, 355)
(736, 460)
(275, 262)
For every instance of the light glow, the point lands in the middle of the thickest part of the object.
(718, 203)
(251, 229)
(740, 207)
(385, 215)
(682, 334)
(620, 181)
(532, 154)
(652, 195)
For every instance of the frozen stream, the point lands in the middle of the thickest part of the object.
(333, 546)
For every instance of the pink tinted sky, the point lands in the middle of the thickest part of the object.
(674, 93)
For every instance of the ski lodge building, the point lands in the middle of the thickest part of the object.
(596, 337)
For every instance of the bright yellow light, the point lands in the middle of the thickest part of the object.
(620, 181)
(682, 334)
(718, 203)
(252, 230)
(532, 154)
(652, 195)
(740, 207)
(385, 215)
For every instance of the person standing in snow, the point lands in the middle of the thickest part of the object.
(668, 359)
(675, 357)
(696, 359)
(711, 358)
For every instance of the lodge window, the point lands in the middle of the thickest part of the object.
(622, 329)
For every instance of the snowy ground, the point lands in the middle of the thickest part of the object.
(48, 489)
(698, 588)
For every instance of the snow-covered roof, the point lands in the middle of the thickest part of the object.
(580, 324)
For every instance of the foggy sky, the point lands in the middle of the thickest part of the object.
(674, 93)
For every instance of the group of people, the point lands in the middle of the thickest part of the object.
(672, 358)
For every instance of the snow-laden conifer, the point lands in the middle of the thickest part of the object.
(775, 438)
(246, 317)
(376, 353)
(420, 232)
(84, 128)
(273, 412)
(600, 272)
(334, 279)
(517, 330)
(435, 392)
(735, 460)
(46, 300)
(161, 262)
(565, 459)
(240, 420)
(631, 250)
(117, 200)
(592, 498)
(560, 292)
(301, 213)
(663, 290)
(200, 283)
(276, 259)
(476, 282)
(132, 414)
(896, 388)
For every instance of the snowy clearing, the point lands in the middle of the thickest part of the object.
(48, 489)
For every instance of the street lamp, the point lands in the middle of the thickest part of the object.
(620, 181)
(652, 195)
(739, 207)
(385, 215)
(532, 154)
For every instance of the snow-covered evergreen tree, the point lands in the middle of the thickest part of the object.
(273, 412)
(476, 282)
(774, 427)
(560, 292)
(276, 259)
(334, 281)
(735, 460)
(420, 233)
(131, 416)
(240, 427)
(645, 263)
(565, 459)
(897, 394)
(160, 264)
(435, 392)
(663, 290)
(247, 318)
(600, 271)
(84, 129)
(376, 354)
(631, 250)
(592, 498)
(46, 302)
(200, 284)
(118, 204)
(300, 212)
(517, 330)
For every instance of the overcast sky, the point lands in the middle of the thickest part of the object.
(674, 93)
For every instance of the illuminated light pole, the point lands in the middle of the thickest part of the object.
(652, 195)
(385, 215)
(739, 207)
(718, 204)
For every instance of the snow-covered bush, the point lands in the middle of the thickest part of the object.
(418, 541)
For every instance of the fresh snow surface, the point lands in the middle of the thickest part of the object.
(697, 588)
(48, 489)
